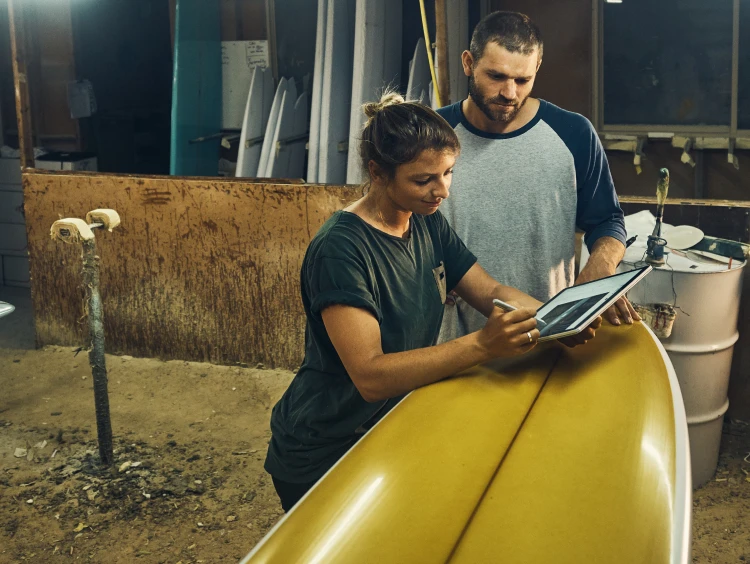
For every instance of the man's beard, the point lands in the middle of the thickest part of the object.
(493, 113)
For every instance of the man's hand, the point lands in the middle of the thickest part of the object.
(605, 256)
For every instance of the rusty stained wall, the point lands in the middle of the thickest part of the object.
(243, 20)
(200, 269)
(565, 77)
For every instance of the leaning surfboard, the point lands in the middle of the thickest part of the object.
(419, 74)
(196, 88)
(317, 93)
(377, 63)
(336, 92)
(287, 160)
(257, 110)
(565, 456)
(273, 120)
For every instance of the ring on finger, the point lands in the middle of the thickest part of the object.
(528, 334)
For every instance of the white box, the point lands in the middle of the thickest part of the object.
(13, 240)
(238, 59)
(67, 161)
(11, 207)
(16, 271)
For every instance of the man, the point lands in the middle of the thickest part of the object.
(529, 174)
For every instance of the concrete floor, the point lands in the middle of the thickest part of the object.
(17, 329)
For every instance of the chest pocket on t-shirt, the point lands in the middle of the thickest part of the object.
(439, 273)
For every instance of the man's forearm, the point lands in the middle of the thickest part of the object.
(605, 256)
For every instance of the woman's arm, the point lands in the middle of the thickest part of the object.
(478, 289)
(355, 334)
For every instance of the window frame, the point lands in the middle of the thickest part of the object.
(730, 131)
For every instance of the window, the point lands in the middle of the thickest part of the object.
(743, 104)
(673, 66)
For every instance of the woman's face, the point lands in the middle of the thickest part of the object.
(421, 185)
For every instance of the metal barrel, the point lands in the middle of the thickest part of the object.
(700, 348)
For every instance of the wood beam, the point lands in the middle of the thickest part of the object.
(441, 41)
(21, 82)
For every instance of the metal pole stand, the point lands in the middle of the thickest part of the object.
(73, 231)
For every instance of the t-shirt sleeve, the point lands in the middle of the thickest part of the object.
(458, 259)
(344, 281)
(598, 214)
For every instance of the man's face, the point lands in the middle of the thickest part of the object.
(501, 81)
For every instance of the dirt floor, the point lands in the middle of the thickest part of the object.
(190, 440)
(189, 485)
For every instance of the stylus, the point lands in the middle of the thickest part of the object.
(507, 307)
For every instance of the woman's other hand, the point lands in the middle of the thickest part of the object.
(584, 336)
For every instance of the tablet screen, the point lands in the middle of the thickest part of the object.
(575, 307)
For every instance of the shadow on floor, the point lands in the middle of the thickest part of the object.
(17, 329)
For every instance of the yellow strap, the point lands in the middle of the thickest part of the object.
(428, 46)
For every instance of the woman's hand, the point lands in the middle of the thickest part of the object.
(509, 334)
(584, 336)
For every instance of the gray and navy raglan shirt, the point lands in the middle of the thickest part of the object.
(517, 199)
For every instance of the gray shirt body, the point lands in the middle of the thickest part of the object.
(516, 200)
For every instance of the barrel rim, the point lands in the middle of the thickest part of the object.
(703, 348)
(669, 268)
(709, 417)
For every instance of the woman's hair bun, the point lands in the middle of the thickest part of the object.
(389, 98)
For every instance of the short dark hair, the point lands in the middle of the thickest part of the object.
(397, 132)
(513, 30)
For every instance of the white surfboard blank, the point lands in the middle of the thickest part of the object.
(419, 74)
(317, 93)
(284, 120)
(336, 92)
(287, 159)
(257, 111)
(376, 66)
(270, 129)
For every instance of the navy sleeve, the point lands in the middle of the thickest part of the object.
(451, 114)
(598, 213)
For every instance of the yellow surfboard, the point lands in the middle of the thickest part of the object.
(565, 456)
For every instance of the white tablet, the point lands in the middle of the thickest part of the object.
(575, 308)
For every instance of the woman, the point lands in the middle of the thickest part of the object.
(374, 281)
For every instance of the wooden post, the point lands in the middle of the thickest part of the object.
(441, 42)
(273, 60)
(21, 83)
(172, 18)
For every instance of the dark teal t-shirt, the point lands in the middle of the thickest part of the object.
(403, 283)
